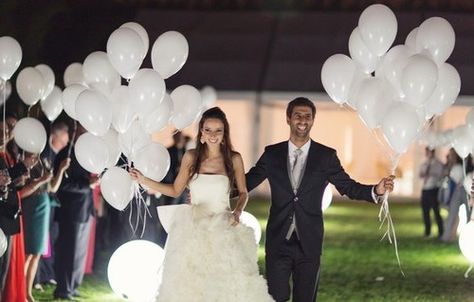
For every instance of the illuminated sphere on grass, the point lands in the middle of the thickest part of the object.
(3, 243)
(249, 220)
(327, 198)
(135, 270)
(466, 241)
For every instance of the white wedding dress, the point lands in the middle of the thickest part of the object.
(207, 259)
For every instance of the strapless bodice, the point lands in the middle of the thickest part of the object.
(210, 191)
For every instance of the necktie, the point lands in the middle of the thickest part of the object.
(296, 169)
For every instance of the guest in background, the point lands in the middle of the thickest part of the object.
(12, 273)
(36, 215)
(176, 152)
(58, 139)
(459, 196)
(431, 172)
(73, 216)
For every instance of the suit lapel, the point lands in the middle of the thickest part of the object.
(283, 165)
(311, 162)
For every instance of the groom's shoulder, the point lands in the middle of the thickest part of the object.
(276, 146)
(322, 148)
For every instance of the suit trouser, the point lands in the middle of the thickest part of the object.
(290, 261)
(71, 253)
(429, 200)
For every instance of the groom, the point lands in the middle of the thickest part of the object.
(298, 171)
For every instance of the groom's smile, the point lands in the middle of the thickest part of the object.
(300, 122)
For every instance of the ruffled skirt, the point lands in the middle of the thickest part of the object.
(208, 260)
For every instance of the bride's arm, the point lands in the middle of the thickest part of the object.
(172, 190)
(241, 187)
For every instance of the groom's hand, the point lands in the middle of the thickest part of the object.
(386, 184)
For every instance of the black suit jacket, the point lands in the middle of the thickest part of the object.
(74, 194)
(322, 166)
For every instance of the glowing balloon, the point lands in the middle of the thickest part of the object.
(249, 220)
(135, 270)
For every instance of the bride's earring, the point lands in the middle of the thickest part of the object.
(202, 141)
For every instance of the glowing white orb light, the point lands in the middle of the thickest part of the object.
(466, 244)
(327, 198)
(462, 218)
(3, 243)
(135, 270)
(249, 220)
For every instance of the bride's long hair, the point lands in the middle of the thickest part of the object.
(226, 146)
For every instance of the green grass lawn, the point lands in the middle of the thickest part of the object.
(354, 259)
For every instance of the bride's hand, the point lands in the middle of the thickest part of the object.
(235, 217)
(136, 175)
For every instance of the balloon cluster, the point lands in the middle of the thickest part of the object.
(121, 118)
(397, 89)
(460, 138)
(33, 84)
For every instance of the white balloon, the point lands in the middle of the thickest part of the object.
(169, 53)
(410, 41)
(134, 139)
(187, 105)
(446, 91)
(153, 161)
(419, 78)
(69, 98)
(48, 77)
(400, 126)
(337, 74)
(52, 105)
(30, 85)
(209, 96)
(3, 243)
(360, 53)
(250, 221)
(158, 118)
(378, 28)
(123, 109)
(462, 142)
(99, 73)
(142, 33)
(91, 153)
(29, 134)
(147, 89)
(437, 36)
(466, 241)
(125, 51)
(327, 198)
(10, 57)
(391, 67)
(93, 112)
(111, 140)
(117, 187)
(135, 270)
(369, 94)
(470, 122)
(357, 80)
(73, 75)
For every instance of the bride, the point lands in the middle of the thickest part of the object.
(210, 257)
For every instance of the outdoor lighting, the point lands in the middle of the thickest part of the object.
(135, 270)
(466, 244)
(3, 243)
(249, 220)
(327, 198)
(462, 218)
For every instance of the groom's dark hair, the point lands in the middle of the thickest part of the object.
(300, 101)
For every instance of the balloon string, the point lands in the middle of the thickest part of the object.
(386, 217)
(140, 202)
(466, 274)
(4, 146)
(71, 145)
(468, 211)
